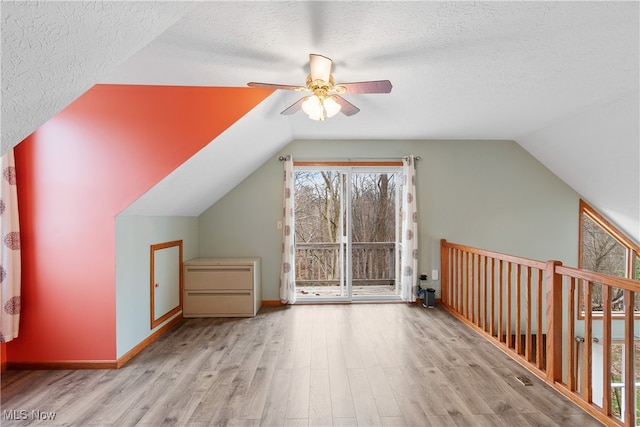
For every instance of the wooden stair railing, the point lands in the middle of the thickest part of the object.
(529, 309)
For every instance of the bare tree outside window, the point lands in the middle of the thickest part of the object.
(317, 209)
(604, 252)
(317, 220)
(373, 207)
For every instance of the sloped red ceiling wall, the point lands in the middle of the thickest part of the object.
(75, 174)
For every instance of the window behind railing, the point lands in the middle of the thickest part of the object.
(604, 249)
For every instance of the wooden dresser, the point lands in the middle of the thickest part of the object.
(222, 287)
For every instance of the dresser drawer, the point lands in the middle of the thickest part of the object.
(224, 303)
(231, 277)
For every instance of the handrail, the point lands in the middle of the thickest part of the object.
(529, 309)
(591, 276)
(497, 255)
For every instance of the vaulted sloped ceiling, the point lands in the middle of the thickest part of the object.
(560, 78)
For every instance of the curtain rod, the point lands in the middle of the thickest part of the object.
(343, 159)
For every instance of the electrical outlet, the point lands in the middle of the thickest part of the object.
(434, 275)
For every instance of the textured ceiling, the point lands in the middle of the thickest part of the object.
(52, 52)
(459, 69)
(544, 74)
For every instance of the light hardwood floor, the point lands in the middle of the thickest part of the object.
(320, 365)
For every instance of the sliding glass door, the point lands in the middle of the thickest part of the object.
(346, 233)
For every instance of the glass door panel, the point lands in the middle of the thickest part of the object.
(319, 235)
(374, 220)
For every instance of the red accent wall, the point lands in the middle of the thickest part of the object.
(75, 174)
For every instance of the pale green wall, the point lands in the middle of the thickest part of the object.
(134, 237)
(488, 194)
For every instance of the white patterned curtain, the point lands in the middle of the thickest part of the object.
(288, 273)
(10, 251)
(409, 231)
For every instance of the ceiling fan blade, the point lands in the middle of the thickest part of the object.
(347, 108)
(377, 86)
(295, 107)
(320, 67)
(276, 86)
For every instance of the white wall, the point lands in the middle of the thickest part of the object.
(134, 236)
(489, 194)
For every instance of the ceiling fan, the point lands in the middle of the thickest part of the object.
(326, 101)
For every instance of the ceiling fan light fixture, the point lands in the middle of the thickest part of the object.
(320, 108)
(326, 100)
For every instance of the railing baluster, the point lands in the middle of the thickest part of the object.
(472, 286)
(465, 288)
(451, 277)
(478, 290)
(571, 336)
(500, 303)
(554, 323)
(454, 280)
(629, 350)
(478, 270)
(587, 389)
(492, 326)
(484, 292)
(466, 284)
(606, 350)
(459, 283)
(509, 302)
(540, 350)
(528, 344)
(518, 331)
